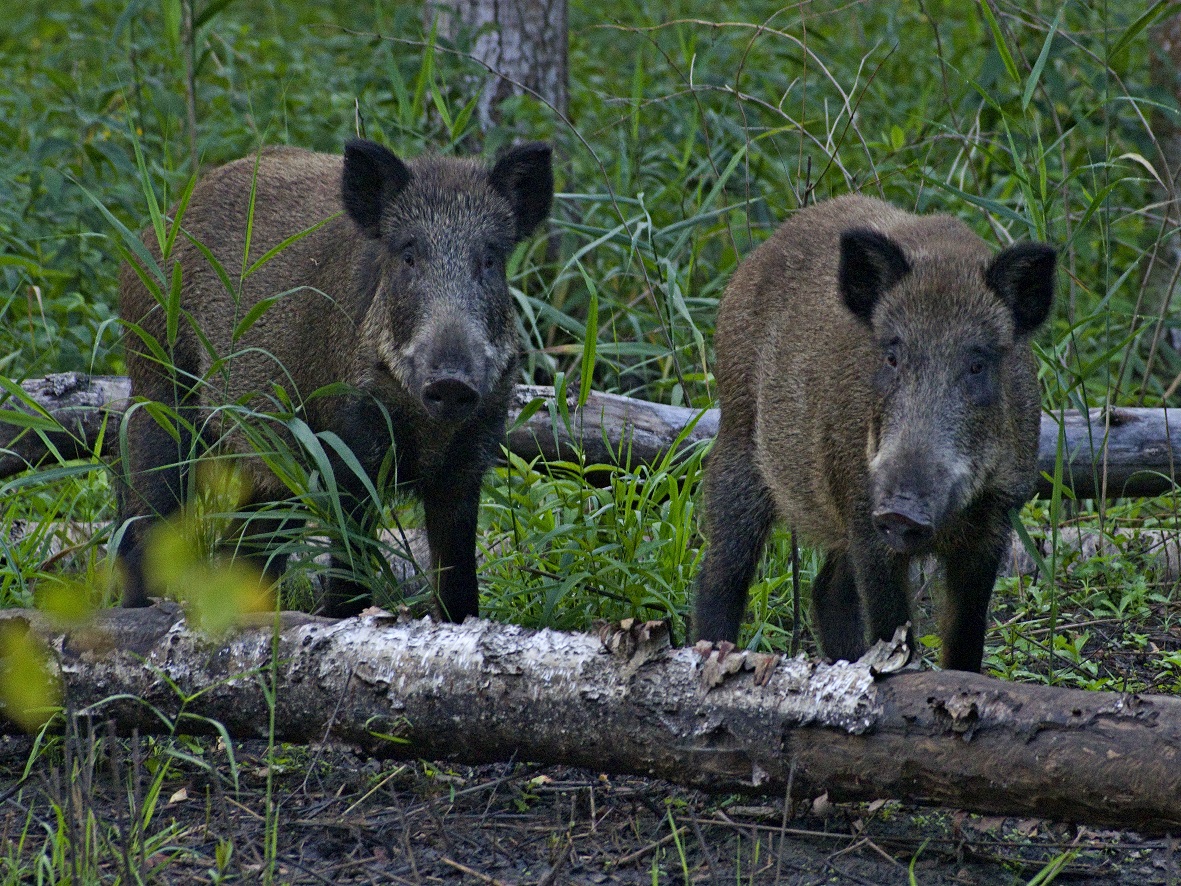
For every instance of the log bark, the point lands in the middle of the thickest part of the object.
(85, 408)
(1114, 453)
(626, 702)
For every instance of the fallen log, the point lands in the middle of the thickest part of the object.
(627, 702)
(83, 410)
(1112, 453)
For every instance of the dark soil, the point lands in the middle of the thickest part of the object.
(341, 818)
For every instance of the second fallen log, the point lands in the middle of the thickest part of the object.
(1111, 453)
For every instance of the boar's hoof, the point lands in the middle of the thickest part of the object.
(450, 399)
(904, 530)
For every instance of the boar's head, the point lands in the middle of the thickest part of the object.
(444, 229)
(952, 329)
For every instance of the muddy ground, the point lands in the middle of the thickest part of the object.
(344, 818)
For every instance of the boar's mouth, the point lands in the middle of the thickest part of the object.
(450, 397)
(908, 515)
(904, 523)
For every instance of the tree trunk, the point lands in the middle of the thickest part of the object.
(523, 44)
(626, 702)
(1114, 453)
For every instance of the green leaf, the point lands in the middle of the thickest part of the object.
(172, 306)
(1133, 31)
(526, 413)
(346, 455)
(590, 340)
(294, 238)
(999, 39)
(259, 308)
(178, 216)
(130, 239)
(172, 19)
(1036, 73)
(211, 10)
(218, 269)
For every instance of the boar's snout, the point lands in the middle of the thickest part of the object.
(904, 524)
(450, 398)
(452, 366)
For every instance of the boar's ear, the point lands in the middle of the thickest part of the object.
(870, 264)
(1024, 276)
(524, 176)
(372, 176)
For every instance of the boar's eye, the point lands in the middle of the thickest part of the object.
(407, 253)
(980, 381)
(886, 376)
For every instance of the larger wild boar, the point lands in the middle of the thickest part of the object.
(879, 394)
(400, 301)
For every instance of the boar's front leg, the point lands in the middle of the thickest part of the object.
(344, 596)
(971, 574)
(836, 609)
(739, 513)
(259, 542)
(451, 510)
(883, 584)
(152, 489)
(451, 505)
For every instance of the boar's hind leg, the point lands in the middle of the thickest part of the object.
(971, 574)
(450, 513)
(739, 513)
(836, 609)
(153, 489)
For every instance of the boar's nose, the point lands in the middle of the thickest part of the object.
(449, 398)
(903, 525)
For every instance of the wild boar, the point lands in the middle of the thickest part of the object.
(398, 299)
(879, 394)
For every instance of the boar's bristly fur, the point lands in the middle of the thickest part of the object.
(879, 394)
(397, 304)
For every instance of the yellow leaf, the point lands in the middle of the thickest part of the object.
(30, 689)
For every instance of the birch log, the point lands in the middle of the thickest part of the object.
(1111, 453)
(626, 702)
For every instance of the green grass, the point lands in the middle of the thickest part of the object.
(690, 140)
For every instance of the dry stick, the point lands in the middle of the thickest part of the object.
(650, 848)
(711, 864)
(471, 872)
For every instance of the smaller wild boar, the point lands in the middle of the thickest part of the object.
(879, 394)
(399, 304)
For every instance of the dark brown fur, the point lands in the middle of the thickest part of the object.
(401, 298)
(879, 394)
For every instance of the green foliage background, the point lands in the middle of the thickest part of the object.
(687, 141)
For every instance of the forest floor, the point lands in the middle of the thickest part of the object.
(338, 817)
